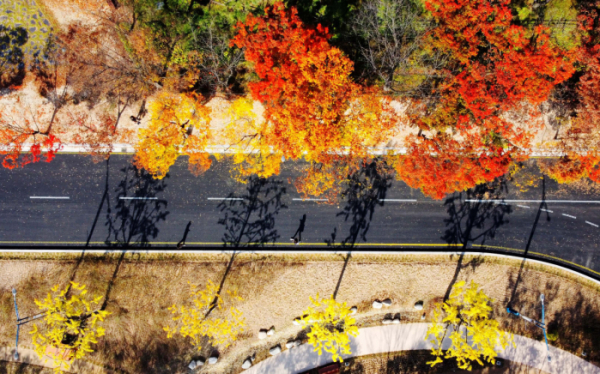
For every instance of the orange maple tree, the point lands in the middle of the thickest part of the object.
(443, 165)
(312, 106)
(179, 124)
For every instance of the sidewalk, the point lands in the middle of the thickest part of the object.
(406, 337)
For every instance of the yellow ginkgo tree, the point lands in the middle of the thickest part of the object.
(179, 125)
(474, 335)
(72, 324)
(206, 316)
(331, 324)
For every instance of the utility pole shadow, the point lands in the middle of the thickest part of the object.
(543, 207)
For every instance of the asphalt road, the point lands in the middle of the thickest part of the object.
(74, 202)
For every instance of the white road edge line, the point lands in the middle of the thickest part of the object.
(536, 201)
(50, 197)
(224, 198)
(546, 210)
(310, 199)
(570, 216)
(399, 200)
(523, 206)
(137, 198)
(589, 223)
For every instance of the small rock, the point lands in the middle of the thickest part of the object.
(247, 363)
(46, 22)
(199, 362)
(34, 16)
(387, 302)
(292, 344)
(275, 350)
(253, 357)
(296, 322)
(423, 316)
(353, 310)
(32, 29)
(396, 321)
(387, 321)
(213, 360)
(192, 365)
(419, 305)
(271, 331)
(262, 334)
(377, 304)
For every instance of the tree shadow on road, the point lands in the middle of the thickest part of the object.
(367, 187)
(473, 216)
(249, 219)
(133, 221)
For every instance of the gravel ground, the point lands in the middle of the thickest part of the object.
(276, 289)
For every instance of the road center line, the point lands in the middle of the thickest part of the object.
(310, 199)
(50, 197)
(224, 198)
(570, 216)
(535, 201)
(523, 206)
(400, 200)
(137, 198)
(546, 210)
(589, 223)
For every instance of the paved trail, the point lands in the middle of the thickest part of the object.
(406, 337)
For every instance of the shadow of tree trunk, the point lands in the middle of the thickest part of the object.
(474, 217)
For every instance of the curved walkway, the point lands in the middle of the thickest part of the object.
(406, 337)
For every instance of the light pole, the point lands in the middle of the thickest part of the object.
(539, 324)
(21, 321)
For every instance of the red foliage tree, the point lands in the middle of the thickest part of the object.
(443, 165)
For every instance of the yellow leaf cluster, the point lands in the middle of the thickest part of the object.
(252, 155)
(168, 133)
(473, 333)
(331, 326)
(71, 325)
(196, 320)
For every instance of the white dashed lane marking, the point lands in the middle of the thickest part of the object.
(50, 197)
(400, 200)
(523, 206)
(570, 216)
(137, 198)
(589, 223)
(546, 210)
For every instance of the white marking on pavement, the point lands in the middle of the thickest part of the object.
(536, 201)
(310, 199)
(523, 206)
(50, 197)
(225, 198)
(137, 198)
(570, 216)
(589, 223)
(399, 200)
(546, 210)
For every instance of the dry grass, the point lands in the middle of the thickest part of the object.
(139, 287)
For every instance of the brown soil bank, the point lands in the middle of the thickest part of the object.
(138, 288)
